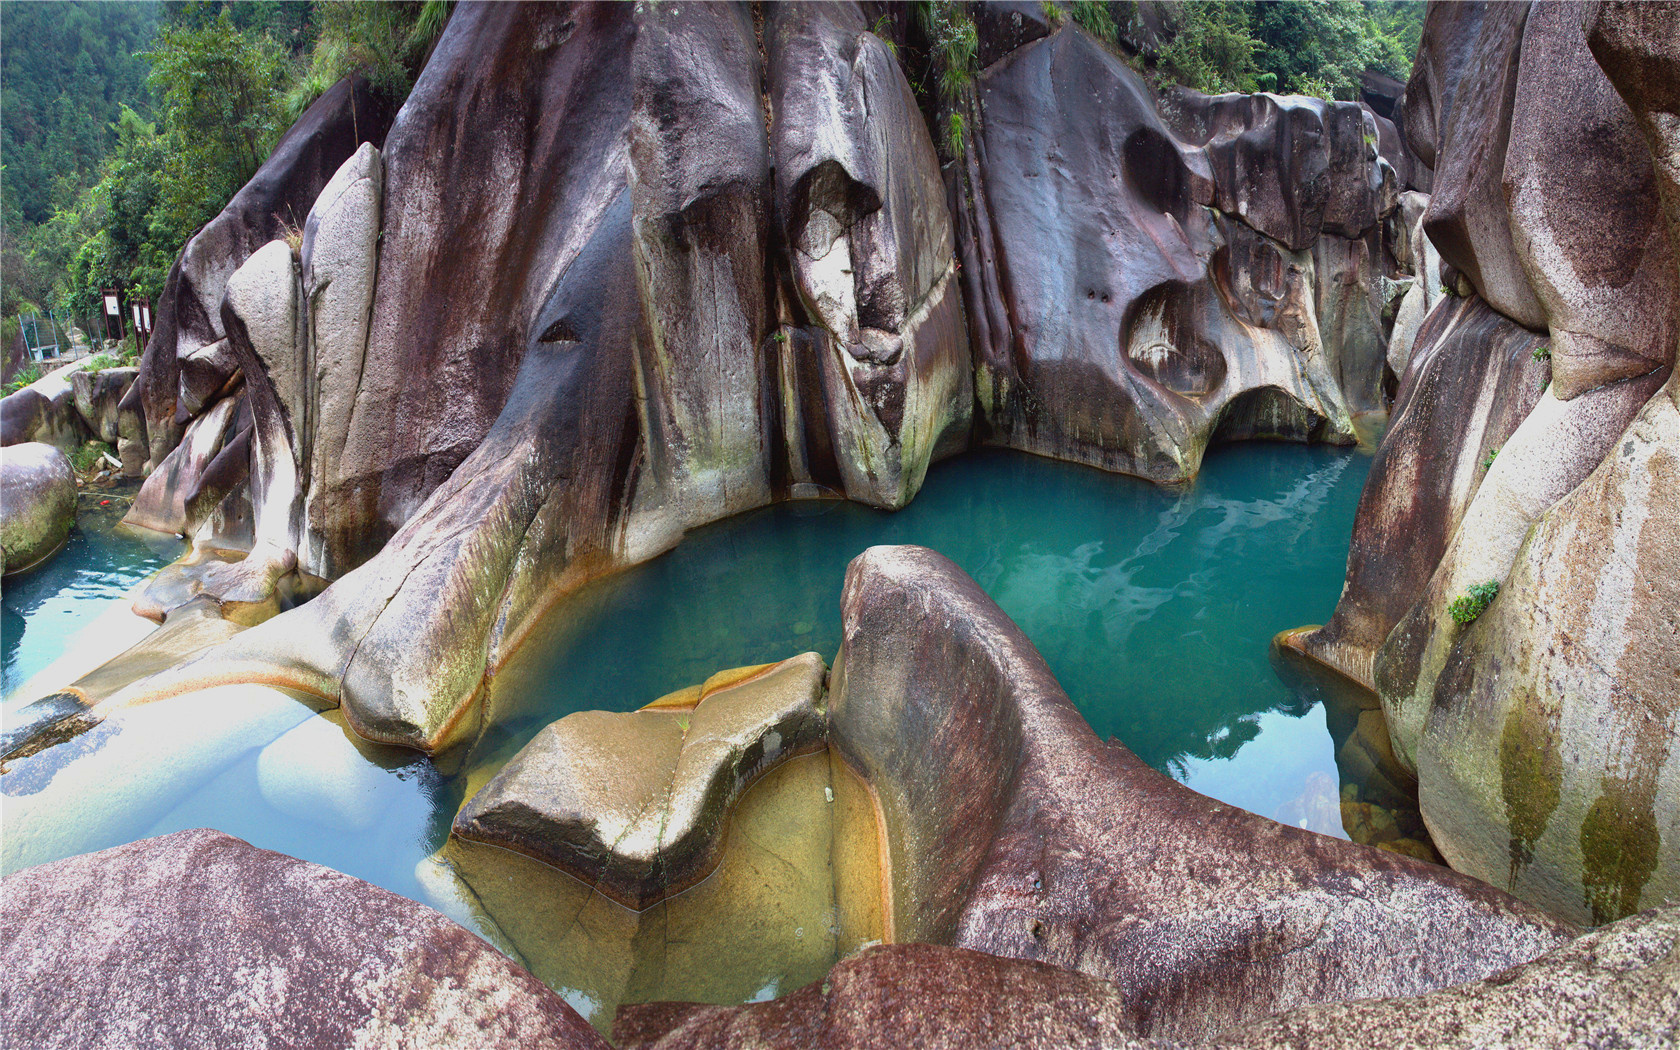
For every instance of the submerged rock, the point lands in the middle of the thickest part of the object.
(37, 504)
(197, 939)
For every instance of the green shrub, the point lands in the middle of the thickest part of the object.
(1472, 603)
(1543, 353)
(1487, 461)
(954, 133)
(99, 363)
(1094, 17)
(86, 458)
(24, 376)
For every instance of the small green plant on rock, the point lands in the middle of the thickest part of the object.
(1542, 353)
(1487, 462)
(1472, 603)
(954, 133)
(99, 362)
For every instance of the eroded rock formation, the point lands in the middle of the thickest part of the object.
(1533, 450)
(715, 266)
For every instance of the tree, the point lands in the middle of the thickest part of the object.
(218, 93)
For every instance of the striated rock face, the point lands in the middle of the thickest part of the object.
(1542, 734)
(1138, 289)
(1618, 986)
(861, 207)
(280, 194)
(1015, 831)
(37, 504)
(1471, 381)
(714, 265)
(197, 939)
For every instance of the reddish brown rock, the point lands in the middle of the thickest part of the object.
(919, 995)
(1585, 213)
(1468, 218)
(197, 939)
(1471, 381)
(1014, 830)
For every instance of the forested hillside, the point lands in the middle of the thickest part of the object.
(126, 126)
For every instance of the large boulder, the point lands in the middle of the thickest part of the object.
(279, 196)
(198, 939)
(45, 411)
(1469, 220)
(637, 804)
(920, 995)
(37, 504)
(880, 339)
(1585, 216)
(1617, 986)
(1119, 321)
(98, 395)
(1013, 830)
(1470, 383)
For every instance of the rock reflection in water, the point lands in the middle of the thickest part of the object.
(798, 887)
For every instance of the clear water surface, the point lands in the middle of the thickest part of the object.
(1153, 606)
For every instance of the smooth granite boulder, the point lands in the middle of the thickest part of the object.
(197, 939)
(97, 397)
(1117, 320)
(188, 314)
(210, 461)
(1445, 50)
(37, 504)
(878, 322)
(1585, 216)
(45, 411)
(636, 804)
(489, 193)
(1469, 219)
(1470, 383)
(1014, 830)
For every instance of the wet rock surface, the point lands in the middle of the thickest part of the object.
(637, 804)
(197, 939)
(37, 504)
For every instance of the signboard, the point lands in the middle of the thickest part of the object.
(146, 313)
(111, 306)
(139, 324)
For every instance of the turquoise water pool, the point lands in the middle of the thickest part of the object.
(1154, 606)
(43, 611)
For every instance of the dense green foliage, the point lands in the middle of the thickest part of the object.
(129, 125)
(1309, 47)
(1472, 603)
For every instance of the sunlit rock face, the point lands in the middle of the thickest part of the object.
(37, 504)
(1542, 733)
(1138, 287)
(197, 939)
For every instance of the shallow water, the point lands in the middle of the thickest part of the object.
(42, 611)
(1154, 607)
